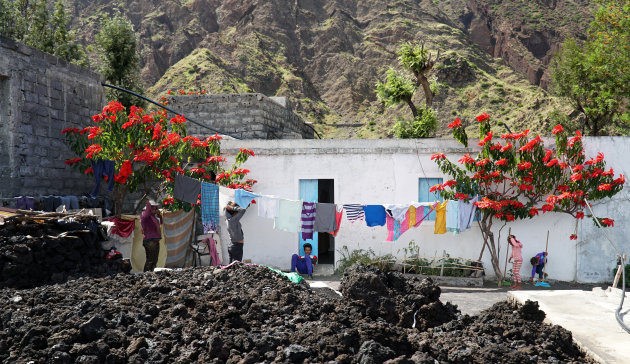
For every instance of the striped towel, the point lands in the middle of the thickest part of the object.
(209, 207)
(354, 212)
(178, 234)
(308, 220)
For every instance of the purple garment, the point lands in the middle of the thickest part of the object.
(212, 246)
(541, 264)
(308, 220)
(150, 224)
(303, 265)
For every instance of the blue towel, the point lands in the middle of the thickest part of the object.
(243, 198)
(452, 217)
(374, 215)
(209, 207)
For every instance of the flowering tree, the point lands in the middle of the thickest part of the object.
(149, 151)
(519, 178)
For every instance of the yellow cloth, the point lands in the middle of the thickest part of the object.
(138, 255)
(440, 218)
(412, 217)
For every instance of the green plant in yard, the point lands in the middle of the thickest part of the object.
(367, 257)
(422, 126)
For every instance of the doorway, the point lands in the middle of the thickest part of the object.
(323, 191)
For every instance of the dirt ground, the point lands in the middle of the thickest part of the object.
(249, 314)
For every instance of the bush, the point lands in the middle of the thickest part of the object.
(367, 257)
(422, 126)
(627, 269)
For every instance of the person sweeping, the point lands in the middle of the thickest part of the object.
(538, 265)
(517, 260)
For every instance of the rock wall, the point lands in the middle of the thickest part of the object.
(40, 95)
(247, 116)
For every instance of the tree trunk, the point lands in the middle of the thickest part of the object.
(120, 192)
(427, 90)
(489, 242)
(413, 108)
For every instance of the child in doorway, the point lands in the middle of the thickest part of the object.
(235, 230)
(517, 260)
(538, 265)
(304, 264)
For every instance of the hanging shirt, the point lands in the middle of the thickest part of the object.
(440, 218)
(268, 206)
(243, 198)
(354, 212)
(289, 216)
(309, 210)
(396, 228)
(421, 214)
(374, 215)
(209, 207)
(398, 211)
(467, 213)
(186, 189)
(411, 217)
(452, 217)
(338, 216)
(325, 219)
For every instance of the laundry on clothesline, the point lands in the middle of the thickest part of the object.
(186, 189)
(268, 206)
(244, 198)
(289, 216)
(354, 212)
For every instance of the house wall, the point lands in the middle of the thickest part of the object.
(387, 171)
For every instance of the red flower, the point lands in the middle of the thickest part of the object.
(621, 180)
(530, 145)
(198, 170)
(97, 118)
(509, 217)
(437, 187)
(70, 130)
(215, 159)
(218, 137)
(482, 162)
(128, 124)
(501, 162)
(609, 172)
(434, 156)
(72, 161)
(573, 237)
(92, 150)
(607, 222)
(178, 119)
(579, 215)
(486, 139)
(461, 196)
(557, 129)
(247, 151)
(533, 211)
(547, 208)
(524, 165)
(240, 171)
(88, 170)
(168, 201)
(482, 117)
(455, 123)
(526, 187)
(604, 187)
(466, 159)
(547, 155)
(157, 131)
(125, 172)
(576, 177)
(576, 138)
(112, 108)
(552, 163)
(94, 131)
(224, 175)
(507, 147)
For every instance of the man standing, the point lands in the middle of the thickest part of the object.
(150, 220)
(304, 264)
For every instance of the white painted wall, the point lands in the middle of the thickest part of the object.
(387, 171)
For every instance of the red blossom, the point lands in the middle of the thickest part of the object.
(70, 130)
(482, 117)
(466, 159)
(72, 161)
(607, 222)
(557, 129)
(437, 187)
(609, 172)
(92, 150)
(621, 180)
(455, 123)
(461, 196)
(113, 107)
(482, 162)
(168, 201)
(240, 171)
(576, 177)
(98, 118)
(524, 165)
(579, 215)
(547, 208)
(605, 187)
(88, 170)
(547, 155)
(224, 175)
(573, 237)
(215, 159)
(501, 162)
(552, 162)
(507, 147)
(94, 132)
(486, 139)
(526, 187)
(533, 211)
(250, 152)
(576, 138)
(125, 172)
(434, 156)
(178, 119)
(198, 170)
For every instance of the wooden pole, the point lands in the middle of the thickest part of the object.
(621, 266)
(506, 256)
(443, 258)
(545, 259)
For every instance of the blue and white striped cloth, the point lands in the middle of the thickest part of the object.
(354, 212)
(209, 207)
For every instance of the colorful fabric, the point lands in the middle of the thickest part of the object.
(452, 217)
(390, 228)
(268, 206)
(440, 217)
(309, 212)
(398, 211)
(289, 216)
(396, 228)
(209, 207)
(374, 215)
(516, 249)
(338, 216)
(411, 217)
(179, 233)
(404, 225)
(354, 212)
(122, 227)
(244, 198)
(516, 270)
(214, 254)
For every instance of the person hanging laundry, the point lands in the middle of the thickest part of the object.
(268, 206)
(354, 212)
(289, 216)
(452, 217)
(517, 260)
(186, 189)
(375, 215)
(150, 221)
(338, 216)
(244, 198)
(325, 218)
(209, 207)
(309, 211)
(538, 264)
(440, 217)
(304, 264)
(234, 213)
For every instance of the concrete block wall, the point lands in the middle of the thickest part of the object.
(248, 116)
(40, 95)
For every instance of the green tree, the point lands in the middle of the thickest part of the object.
(398, 87)
(119, 58)
(63, 39)
(39, 35)
(594, 75)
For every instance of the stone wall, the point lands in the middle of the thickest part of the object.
(247, 116)
(40, 95)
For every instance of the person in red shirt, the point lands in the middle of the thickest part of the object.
(517, 261)
(151, 220)
(304, 264)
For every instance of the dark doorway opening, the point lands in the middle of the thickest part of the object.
(326, 242)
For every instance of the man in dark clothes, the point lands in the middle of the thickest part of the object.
(235, 230)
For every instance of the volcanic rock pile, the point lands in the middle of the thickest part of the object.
(250, 314)
(40, 249)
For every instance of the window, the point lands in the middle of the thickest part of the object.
(424, 184)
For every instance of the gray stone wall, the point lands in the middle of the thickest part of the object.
(40, 95)
(247, 116)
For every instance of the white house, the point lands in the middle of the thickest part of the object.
(394, 171)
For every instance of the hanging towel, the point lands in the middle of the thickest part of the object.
(374, 215)
(268, 206)
(452, 217)
(289, 216)
(325, 218)
(440, 217)
(243, 198)
(103, 168)
(186, 189)
(309, 211)
(396, 228)
(209, 207)
(390, 228)
(354, 212)
(404, 225)
(467, 213)
(212, 246)
(338, 215)
(411, 217)
(122, 227)
(398, 211)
